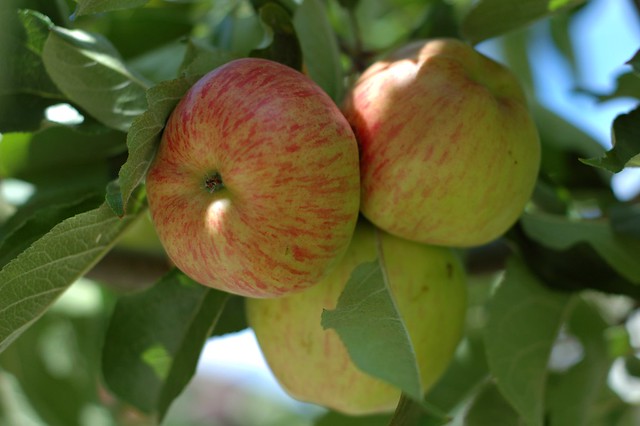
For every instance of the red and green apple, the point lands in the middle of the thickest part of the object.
(254, 189)
(449, 152)
(312, 364)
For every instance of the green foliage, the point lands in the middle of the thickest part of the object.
(153, 370)
(104, 355)
(519, 337)
(369, 323)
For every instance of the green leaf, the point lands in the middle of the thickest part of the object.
(571, 396)
(35, 279)
(524, 320)
(200, 58)
(37, 225)
(467, 371)
(89, 71)
(561, 233)
(25, 87)
(412, 412)
(625, 219)
(233, 317)
(144, 137)
(490, 18)
(635, 62)
(627, 86)
(35, 157)
(469, 368)
(626, 144)
(155, 338)
(337, 419)
(319, 47)
(367, 320)
(89, 7)
(24, 72)
(349, 4)
(490, 408)
(284, 46)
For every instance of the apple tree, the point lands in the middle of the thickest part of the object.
(538, 326)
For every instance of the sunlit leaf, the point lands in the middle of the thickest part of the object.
(144, 136)
(154, 340)
(89, 71)
(524, 320)
(490, 18)
(368, 322)
(30, 283)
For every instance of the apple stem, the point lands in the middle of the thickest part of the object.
(213, 182)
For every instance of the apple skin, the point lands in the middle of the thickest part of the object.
(449, 152)
(254, 189)
(312, 364)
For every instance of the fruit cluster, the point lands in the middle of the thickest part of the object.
(259, 180)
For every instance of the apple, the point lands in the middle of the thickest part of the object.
(255, 188)
(312, 364)
(449, 152)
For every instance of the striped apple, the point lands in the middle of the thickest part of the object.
(449, 150)
(254, 189)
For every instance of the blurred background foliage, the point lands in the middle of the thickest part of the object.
(53, 374)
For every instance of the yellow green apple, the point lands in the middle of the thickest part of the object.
(313, 365)
(254, 188)
(449, 152)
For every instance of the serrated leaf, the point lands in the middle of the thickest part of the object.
(572, 395)
(154, 340)
(367, 320)
(38, 224)
(89, 71)
(626, 144)
(524, 320)
(560, 233)
(319, 47)
(30, 283)
(490, 18)
(144, 137)
(89, 7)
